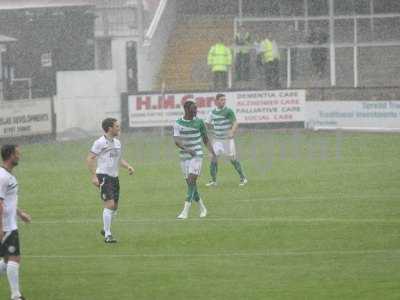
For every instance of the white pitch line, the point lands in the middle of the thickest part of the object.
(312, 198)
(132, 203)
(226, 254)
(243, 220)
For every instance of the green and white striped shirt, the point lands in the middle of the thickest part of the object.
(191, 133)
(222, 121)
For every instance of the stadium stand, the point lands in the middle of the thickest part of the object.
(376, 44)
(185, 64)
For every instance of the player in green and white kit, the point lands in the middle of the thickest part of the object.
(224, 124)
(189, 133)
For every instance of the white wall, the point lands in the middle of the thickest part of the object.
(118, 53)
(84, 99)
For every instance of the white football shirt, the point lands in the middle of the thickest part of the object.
(108, 154)
(9, 196)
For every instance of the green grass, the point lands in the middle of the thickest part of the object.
(319, 219)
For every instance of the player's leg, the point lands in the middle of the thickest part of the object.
(214, 165)
(3, 267)
(115, 195)
(186, 207)
(190, 196)
(238, 167)
(230, 149)
(213, 173)
(13, 264)
(203, 209)
(13, 260)
(107, 190)
(194, 173)
(190, 190)
(108, 214)
(195, 196)
(192, 170)
(3, 263)
(113, 206)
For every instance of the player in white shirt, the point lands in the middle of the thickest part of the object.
(9, 211)
(103, 161)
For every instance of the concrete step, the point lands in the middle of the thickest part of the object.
(187, 52)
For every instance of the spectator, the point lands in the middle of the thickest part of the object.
(242, 64)
(275, 74)
(259, 55)
(270, 61)
(220, 59)
(319, 55)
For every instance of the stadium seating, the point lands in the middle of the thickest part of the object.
(185, 64)
(184, 67)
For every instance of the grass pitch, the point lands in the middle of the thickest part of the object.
(319, 219)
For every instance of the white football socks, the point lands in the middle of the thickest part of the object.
(107, 219)
(187, 206)
(13, 278)
(185, 212)
(203, 209)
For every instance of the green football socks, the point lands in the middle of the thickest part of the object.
(238, 168)
(192, 193)
(213, 171)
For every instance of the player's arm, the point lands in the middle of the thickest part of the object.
(127, 166)
(208, 121)
(180, 145)
(3, 191)
(209, 125)
(231, 116)
(210, 148)
(1, 219)
(91, 162)
(207, 142)
(25, 217)
(233, 129)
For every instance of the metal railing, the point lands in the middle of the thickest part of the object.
(332, 45)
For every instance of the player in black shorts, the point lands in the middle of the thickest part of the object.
(10, 244)
(103, 161)
(109, 187)
(10, 252)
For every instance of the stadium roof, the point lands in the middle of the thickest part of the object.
(23, 4)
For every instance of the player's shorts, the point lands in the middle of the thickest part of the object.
(191, 166)
(109, 187)
(10, 244)
(225, 147)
